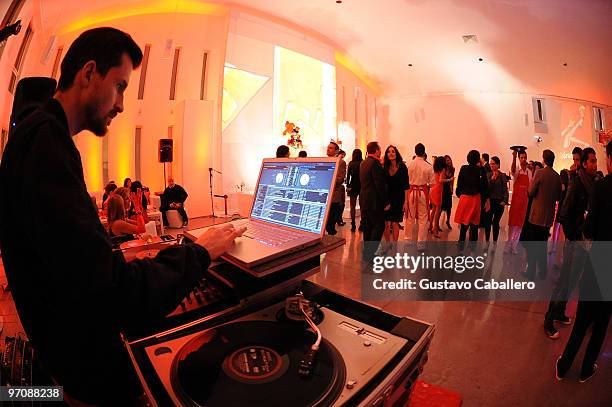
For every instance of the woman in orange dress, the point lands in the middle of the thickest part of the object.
(435, 195)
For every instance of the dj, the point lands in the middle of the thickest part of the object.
(73, 294)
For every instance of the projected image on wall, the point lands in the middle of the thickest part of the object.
(305, 94)
(239, 87)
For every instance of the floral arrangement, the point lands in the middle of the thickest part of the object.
(294, 138)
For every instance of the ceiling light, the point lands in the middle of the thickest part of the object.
(338, 1)
(480, 59)
(409, 64)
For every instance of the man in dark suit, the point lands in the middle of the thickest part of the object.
(338, 195)
(571, 216)
(372, 200)
(594, 308)
(545, 191)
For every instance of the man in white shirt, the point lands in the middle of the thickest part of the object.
(420, 176)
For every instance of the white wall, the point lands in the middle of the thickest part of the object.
(488, 122)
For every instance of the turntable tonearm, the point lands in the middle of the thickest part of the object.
(255, 342)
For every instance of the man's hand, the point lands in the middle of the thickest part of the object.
(218, 240)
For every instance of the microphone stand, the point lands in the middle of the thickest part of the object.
(212, 195)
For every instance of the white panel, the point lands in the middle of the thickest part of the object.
(193, 136)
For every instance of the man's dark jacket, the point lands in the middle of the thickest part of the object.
(72, 293)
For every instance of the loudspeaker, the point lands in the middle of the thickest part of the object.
(165, 150)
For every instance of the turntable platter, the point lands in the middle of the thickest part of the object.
(256, 363)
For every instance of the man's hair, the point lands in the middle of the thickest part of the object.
(548, 157)
(577, 150)
(282, 151)
(336, 146)
(495, 159)
(302, 153)
(419, 150)
(485, 156)
(372, 147)
(609, 149)
(473, 157)
(585, 155)
(105, 46)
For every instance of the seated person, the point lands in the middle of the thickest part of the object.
(139, 200)
(119, 225)
(108, 190)
(173, 197)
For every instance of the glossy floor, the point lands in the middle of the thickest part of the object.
(492, 353)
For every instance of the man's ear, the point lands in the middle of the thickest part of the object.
(87, 72)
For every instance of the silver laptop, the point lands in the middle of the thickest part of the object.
(289, 210)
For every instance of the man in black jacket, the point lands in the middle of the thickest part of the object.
(373, 200)
(72, 293)
(571, 216)
(174, 198)
(594, 306)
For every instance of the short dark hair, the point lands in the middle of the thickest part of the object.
(609, 149)
(105, 46)
(439, 164)
(282, 151)
(372, 147)
(549, 157)
(336, 146)
(585, 155)
(419, 150)
(577, 150)
(522, 151)
(357, 155)
(303, 153)
(485, 156)
(496, 160)
(473, 157)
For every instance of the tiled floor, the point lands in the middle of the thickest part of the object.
(492, 353)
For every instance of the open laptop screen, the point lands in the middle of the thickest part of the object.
(294, 194)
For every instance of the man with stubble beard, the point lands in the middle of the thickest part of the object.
(72, 292)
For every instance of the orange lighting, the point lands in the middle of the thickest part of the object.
(145, 7)
(353, 66)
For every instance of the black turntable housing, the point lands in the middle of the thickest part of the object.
(232, 348)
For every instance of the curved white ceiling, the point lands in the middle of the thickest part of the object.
(524, 44)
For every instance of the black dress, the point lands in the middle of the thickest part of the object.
(447, 194)
(352, 178)
(397, 184)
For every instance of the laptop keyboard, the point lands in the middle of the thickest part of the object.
(270, 236)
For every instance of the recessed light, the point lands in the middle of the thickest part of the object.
(565, 64)
(338, 1)
(409, 64)
(480, 59)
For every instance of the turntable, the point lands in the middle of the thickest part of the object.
(271, 347)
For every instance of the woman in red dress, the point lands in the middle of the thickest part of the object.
(435, 196)
(518, 206)
(472, 187)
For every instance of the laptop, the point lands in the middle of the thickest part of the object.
(289, 211)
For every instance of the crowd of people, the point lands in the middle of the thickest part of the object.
(126, 208)
(391, 190)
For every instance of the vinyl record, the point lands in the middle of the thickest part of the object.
(256, 363)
